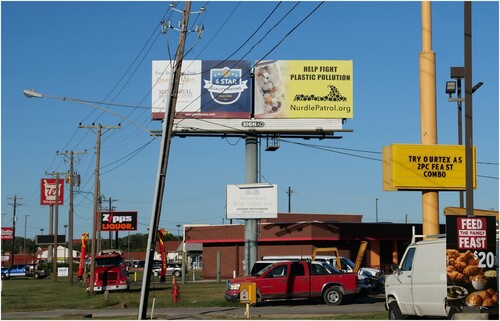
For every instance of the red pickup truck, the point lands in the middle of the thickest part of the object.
(297, 280)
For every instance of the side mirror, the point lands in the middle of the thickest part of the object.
(394, 268)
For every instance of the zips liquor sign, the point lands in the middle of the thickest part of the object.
(119, 221)
(48, 191)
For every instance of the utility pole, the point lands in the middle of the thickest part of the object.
(25, 225)
(14, 218)
(469, 177)
(72, 182)
(290, 191)
(163, 164)
(96, 217)
(110, 233)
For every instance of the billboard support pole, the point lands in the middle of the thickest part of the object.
(56, 227)
(428, 121)
(251, 171)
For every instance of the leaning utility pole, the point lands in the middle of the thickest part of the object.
(168, 122)
(72, 183)
(95, 213)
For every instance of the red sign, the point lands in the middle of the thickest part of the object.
(119, 221)
(7, 233)
(48, 191)
(471, 233)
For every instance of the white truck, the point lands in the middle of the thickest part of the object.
(418, 286)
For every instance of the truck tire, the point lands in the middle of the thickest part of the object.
(36, 275)
(333, 296)
(4, 276)
(177, 273)
(395, 312)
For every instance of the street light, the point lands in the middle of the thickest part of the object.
(452, 87)
(31, 93)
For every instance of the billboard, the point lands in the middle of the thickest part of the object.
(207, 89)
(119, 221)
(304, 89)
(49, 239)
(48, 191)
(421, 167)
(251, 201)
(309, 96)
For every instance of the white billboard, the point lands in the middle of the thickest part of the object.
(208, 89)
(252, 201)
(215, 97)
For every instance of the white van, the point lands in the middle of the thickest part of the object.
(418, 285)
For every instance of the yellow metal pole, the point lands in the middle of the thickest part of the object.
(428, 123)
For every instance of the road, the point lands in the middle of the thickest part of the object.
(301, 309)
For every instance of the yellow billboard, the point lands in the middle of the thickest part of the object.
(426, 167)
(303, 89)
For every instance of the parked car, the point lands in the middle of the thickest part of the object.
(172, 269)
(291, 280)
(139, 264)
(24, 270)
(365, 284)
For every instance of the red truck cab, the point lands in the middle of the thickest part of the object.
(293, 280)
(110, 272)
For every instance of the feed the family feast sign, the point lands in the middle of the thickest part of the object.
(471, 262)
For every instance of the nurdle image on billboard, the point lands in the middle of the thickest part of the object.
(304, 89)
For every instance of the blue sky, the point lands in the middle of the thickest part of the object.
(102, 51)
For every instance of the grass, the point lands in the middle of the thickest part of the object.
(23, 294)
(26, 294)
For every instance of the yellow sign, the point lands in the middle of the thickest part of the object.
(304, 89)
(248, 293)
(426, 167)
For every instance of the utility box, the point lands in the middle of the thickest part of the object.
(248, 293)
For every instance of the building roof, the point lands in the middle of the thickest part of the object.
(190, 247)
(305, 231)
(298, 217)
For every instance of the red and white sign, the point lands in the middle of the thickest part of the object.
(471, 233)
(119, 221)
(48, 191)
(7, 233)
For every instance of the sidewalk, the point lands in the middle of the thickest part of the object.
(285, 310)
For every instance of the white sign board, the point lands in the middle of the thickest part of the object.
(62, 271)
(252, 201)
